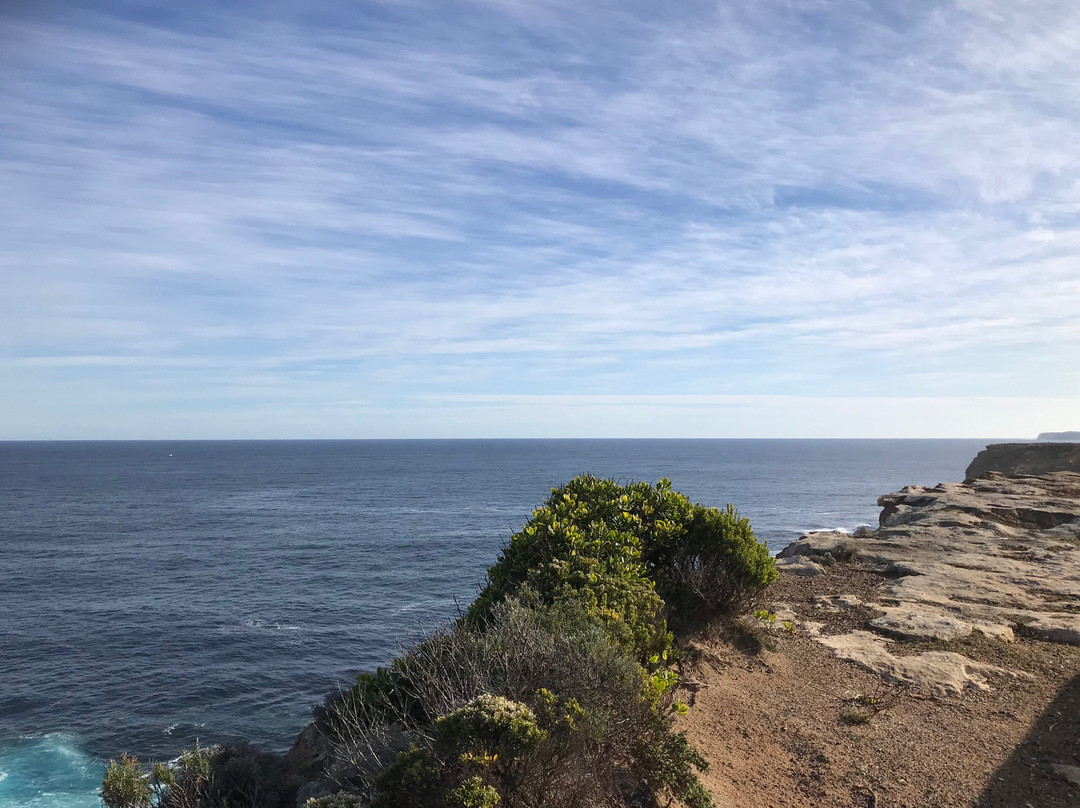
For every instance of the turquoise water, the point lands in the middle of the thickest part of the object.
(155, 593)
(48, 772)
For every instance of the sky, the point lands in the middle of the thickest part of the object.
(498, 218)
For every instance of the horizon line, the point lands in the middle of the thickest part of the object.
(506, 439)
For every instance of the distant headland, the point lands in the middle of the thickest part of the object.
(1012, 459)
(1059, 436)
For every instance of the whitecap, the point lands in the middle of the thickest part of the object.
(259, 623)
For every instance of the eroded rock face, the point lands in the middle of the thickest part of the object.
(1014, 459)
(995, 555)
(310, 752)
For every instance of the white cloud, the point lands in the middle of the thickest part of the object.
(759, 197)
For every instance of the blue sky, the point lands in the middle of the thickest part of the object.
(502, 218)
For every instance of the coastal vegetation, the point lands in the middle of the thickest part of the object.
(555, 688)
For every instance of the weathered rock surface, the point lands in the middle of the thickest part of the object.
(1016, 459)
(995, 555)
(310, 752)
(1070, 773)
(799, 566)
(929, 623)
(941, 673)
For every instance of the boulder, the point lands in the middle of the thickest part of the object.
(310, 752)
(832, 545)
(799, 565)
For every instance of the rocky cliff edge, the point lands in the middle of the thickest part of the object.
(1021, 459)
(997, 555)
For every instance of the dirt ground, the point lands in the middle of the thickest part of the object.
(782, 723)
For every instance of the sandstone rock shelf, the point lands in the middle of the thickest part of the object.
(996, 555)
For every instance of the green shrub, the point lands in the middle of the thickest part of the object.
(537, 703)
(713, 565)
(586, 545)
(491, 725)
(473, 793)
(474, 759)
(623, 551)
(244, 776)
(125, 785)
(240, 776)
(414, 778)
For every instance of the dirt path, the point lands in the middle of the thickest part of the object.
(783, 723)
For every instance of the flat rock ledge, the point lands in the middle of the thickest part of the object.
(996, 555)
(941, 673)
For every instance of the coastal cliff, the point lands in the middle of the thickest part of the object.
(933, 661)
(1012, 459)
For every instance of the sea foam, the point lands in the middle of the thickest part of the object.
(49, 771)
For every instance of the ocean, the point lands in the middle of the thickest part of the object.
(152, 593)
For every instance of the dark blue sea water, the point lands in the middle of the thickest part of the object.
(152, 593)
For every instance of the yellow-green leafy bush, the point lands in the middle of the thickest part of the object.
(624, 551)
(490, 725)
(125, 785)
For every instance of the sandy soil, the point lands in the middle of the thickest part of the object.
(782, 723)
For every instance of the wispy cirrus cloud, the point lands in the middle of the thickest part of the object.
(500, 199)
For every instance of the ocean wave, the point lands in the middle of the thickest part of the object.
(48, 771)
(171, 728)
(847, 530)
(255, 622)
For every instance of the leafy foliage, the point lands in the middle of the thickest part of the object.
(623, 552)
(490, 725)
(473, 793)
(585, 546)
(125, 786)
(240, 776)
(474, 759)
(244, 776)
(576, 722)
(712, 565)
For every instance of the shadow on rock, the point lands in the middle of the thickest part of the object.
(1044, 769)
